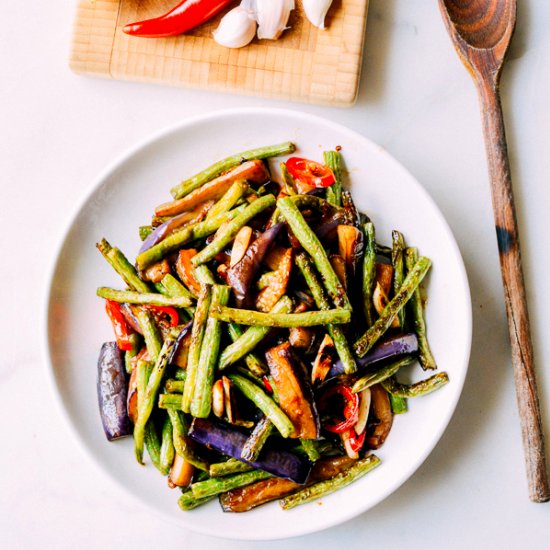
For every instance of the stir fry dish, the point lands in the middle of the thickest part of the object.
(261, 333)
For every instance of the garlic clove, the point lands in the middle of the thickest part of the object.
(272, 16)
(316, 11)
(236, 29)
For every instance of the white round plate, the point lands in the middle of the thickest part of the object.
(123, 198)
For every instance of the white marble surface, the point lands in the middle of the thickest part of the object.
(59, 130)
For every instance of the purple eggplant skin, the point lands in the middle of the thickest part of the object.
(186, 330)
(230, 441)
(112, 392)
(401, 344)
(352, 214)
(241, 275)
(327, 228)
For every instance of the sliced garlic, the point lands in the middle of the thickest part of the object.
(271, 15)
(316, 11)
(236, 29)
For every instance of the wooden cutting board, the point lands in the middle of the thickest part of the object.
(305, 64)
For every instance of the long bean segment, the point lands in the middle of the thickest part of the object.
(122, 266)
(216, 485)
(283, 320)
(131, 297)
(398, 262)
(197, 335)
(257, 439)
(417, 389)
(182, 445)
(255, 366)
(335, 331)
(315, 249)
(229, 467)
(251, 337)
(151, 333)
(380, 375)
(229, 199)
(229, 231)
(185, 187)
(188, 502)
(167, 450)
(427, 361)
(184, 236)
(271, 410)
(324, 488)
(333, 160)
(369, 272)
(201, 403)
(411, 282)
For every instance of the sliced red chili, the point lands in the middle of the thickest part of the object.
(122, 332)
(170, 312)
(341, 420)
(310, 172)
(267, 384)
(356, 442)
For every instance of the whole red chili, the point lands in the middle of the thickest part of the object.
(350, 411)
(182, 18)
(122, 332)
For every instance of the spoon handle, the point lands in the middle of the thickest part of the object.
(514, 292)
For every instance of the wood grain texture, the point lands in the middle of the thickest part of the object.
(305, 64)
(481, 31)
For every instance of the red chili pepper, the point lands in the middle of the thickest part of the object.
(182, 18)
(267, 384)
(168, 310)
(120, 327)
(310, 172)
(356, 442)
(350, 411)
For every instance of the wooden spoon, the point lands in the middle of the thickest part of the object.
(481, 32)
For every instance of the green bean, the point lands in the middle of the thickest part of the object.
(131, 297)
(122, 266)
(425, 357)
(252, 362)
(128, 355)
(151, 334)
(175, 386)
(185, 187)
(228, 232)
(197, 335)
(315, 249)
(201, 403)
(324, 488)
(152, 444)
(256, 440)
(144, 369)
(372, 378)
(180, 374)
(170, 401)
(265, 403)
(282, 320)
(187, 501)
(174, 288)
(336, 332)
(411, 282)
(182, 444)
(167, 451)
(145, 231)
(217, 485)
(287, 180)
(251, 337)
(310, 448)
(187, 234)
(231, 466)
(369, 272)
(229, 199)
(204, 275)
(147, 401)
(333, 160)
(397, 261)
(419, 388)
(398, 404)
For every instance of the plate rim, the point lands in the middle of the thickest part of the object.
(122, 158)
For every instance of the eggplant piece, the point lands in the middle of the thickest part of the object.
(350, 247)
(130, 317)
(256, 494)
(240, 276)
(230, 440)
(352, 214)
(111, 392)
(401, 344)
(294, 391)
(269, 296)
(326, 230)
(384, 276)
(179, 353)
(132, 399)
(381, 410)
(324, 360)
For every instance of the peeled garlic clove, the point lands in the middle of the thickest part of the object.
(271, 15)
(236, 29)
(316, 10)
